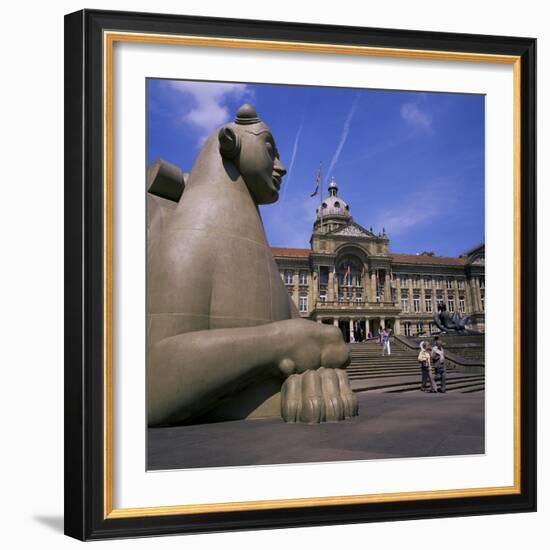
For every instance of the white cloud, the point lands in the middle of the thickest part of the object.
(208, 107)
(286, 180)
(413, 115)
(418, 208)
(343, 138)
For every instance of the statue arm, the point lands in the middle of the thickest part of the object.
(438, 323)
(189, 372)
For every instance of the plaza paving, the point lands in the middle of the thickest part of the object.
(389, 425)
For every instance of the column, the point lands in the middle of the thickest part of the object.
(367, 327)
(411, 292)
(387, 289)
(314, 287)
(468, 295)
(330, 288)
(373, 286)
(351, 336)
(477, 294)
(396, 327)
(382, 322)
(335, 322)
(365, 283)
(398, 289)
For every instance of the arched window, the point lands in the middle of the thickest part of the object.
(337, 204)
(349, 271)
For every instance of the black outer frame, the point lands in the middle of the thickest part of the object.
(84, 515)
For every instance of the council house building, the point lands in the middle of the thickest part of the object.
(349, 278)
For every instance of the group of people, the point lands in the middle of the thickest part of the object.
(432, 364)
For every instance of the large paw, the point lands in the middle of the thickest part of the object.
(315, 396)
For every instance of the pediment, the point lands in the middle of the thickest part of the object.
(351, 230)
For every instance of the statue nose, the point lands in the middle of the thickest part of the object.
(279, 168)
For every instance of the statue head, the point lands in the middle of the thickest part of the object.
(248, 143)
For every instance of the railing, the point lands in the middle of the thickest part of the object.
(456, 362)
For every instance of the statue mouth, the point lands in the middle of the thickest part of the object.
(276, 181)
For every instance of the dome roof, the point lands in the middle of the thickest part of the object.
(333, 205)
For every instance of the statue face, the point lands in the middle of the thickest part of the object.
(259, 164)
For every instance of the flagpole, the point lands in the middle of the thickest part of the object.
(321, 192)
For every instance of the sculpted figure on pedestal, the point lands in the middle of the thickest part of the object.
(223, 334)
(454, 323)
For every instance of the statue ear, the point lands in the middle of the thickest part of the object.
(230, 143)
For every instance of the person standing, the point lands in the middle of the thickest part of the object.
(438, 359)
(426, 368)
(386, 342)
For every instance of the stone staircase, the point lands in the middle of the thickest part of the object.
(399, 372)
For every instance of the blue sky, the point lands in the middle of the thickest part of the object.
(412, 162)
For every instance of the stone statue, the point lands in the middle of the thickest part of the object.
(454, 323)
(224, 337)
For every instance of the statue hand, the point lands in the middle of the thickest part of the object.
(308, 346)
(315, 396)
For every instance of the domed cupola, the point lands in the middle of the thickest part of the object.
(333, 211)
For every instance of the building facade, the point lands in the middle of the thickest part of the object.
(349, 278)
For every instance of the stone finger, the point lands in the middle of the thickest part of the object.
(291, 398)
(351, 404)
(313, 406)
(334, 407)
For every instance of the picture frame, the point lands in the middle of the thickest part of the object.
(90, 36)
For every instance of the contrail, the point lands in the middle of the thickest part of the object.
(343, 137)
(292, 159)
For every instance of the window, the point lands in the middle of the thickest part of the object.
(405, 303)
(428, 303)
(432, 328)
(461, 304)
(403, 280)
(303, 302)
(416, 281)
(451, 304)
(449, 283)
(416, 303)
(393, 295)
(407, 329)
(323, 296)
(303, 277)
(359, 297)
(288, 277)
(438, 282)
(439, 300)
(460, 283)
(419, 328)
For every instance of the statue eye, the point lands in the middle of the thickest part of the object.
(270, 149)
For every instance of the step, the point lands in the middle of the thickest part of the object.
(405, 385)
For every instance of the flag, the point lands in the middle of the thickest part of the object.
(317, 182)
